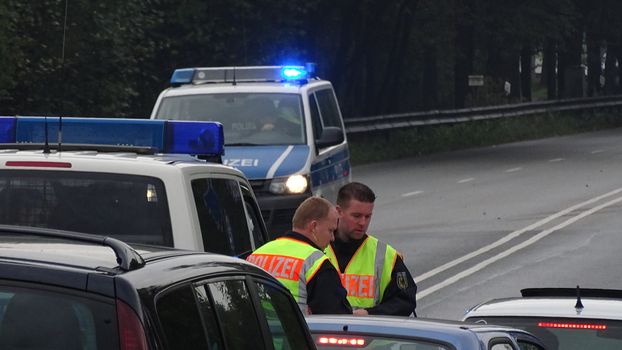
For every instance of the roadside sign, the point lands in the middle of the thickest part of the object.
(476, 80)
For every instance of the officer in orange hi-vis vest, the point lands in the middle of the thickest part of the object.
(373, 272)
(298, 261)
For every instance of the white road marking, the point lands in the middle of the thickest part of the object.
(597, 151)
(514, 169)
(409, 194)
(555, 160)
(516, 248)
(466, 180)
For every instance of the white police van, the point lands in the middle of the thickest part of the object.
(282, 126)
(135, 180)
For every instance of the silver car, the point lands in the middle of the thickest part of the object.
(563, 318)
(399, 333)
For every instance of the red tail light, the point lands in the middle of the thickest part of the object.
(341, 341)
(41, 164)
(572, 325)
(131, 331)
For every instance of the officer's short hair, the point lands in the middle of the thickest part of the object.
(312, 208)
(355, 190)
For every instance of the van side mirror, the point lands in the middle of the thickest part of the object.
(331, 135)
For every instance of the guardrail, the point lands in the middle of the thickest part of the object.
(436, 117)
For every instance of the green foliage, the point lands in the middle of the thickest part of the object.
(94, 69)
(414, 142)
(382, 56)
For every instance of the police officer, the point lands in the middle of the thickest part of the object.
(297, 259)
(372, 271)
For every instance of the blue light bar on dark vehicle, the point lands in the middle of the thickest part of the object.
(164, 136)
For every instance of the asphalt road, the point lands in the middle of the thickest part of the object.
(484, 223)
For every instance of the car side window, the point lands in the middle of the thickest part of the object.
(210, 320)
(328, 108)
(180, 319)
(255, 222)
(281, 314)
(236, 315)
(222, 216)
(55, 319)
(316, 120)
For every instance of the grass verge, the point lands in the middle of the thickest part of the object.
(402, 143)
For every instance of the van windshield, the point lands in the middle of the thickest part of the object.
(247, 118)
(128, 207)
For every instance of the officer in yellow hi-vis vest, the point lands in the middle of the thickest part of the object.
(372, 271)
(297, 259)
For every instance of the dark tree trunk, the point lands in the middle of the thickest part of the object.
(526, 71)
(342, 69)
(610, 69)
(430, 78)
(549, 65)
(594, 68)
(570, 73)
(389, 96)
(464, 63)
(513, 72)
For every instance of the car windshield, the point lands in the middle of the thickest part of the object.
(568, 333)
(129, 207)
(247, 118)
(332, 341)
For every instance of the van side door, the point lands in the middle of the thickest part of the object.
(330, 169)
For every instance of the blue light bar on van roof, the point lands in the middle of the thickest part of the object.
(203, 75)
(182, 76)
(293, 73)
(7, 129)
(164, 136)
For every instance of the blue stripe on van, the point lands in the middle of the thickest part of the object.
(331, 169)
(256, 161)
(294, 162)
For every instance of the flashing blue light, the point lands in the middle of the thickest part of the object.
(293, 73)
(182, 76)
(187, 137)
(195, 137)
(7, 129)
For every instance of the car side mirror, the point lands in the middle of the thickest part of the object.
(331, 135)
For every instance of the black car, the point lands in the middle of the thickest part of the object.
(65, 290)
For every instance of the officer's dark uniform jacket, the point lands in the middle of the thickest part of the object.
(398, 297)
(306, 272)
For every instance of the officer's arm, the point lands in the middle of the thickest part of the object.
(325, 293)
(400, 296)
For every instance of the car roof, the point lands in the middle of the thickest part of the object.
(71, 262)
(593, 307)
(440, 330)
(90, 160)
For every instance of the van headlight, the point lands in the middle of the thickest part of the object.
(294, 184)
